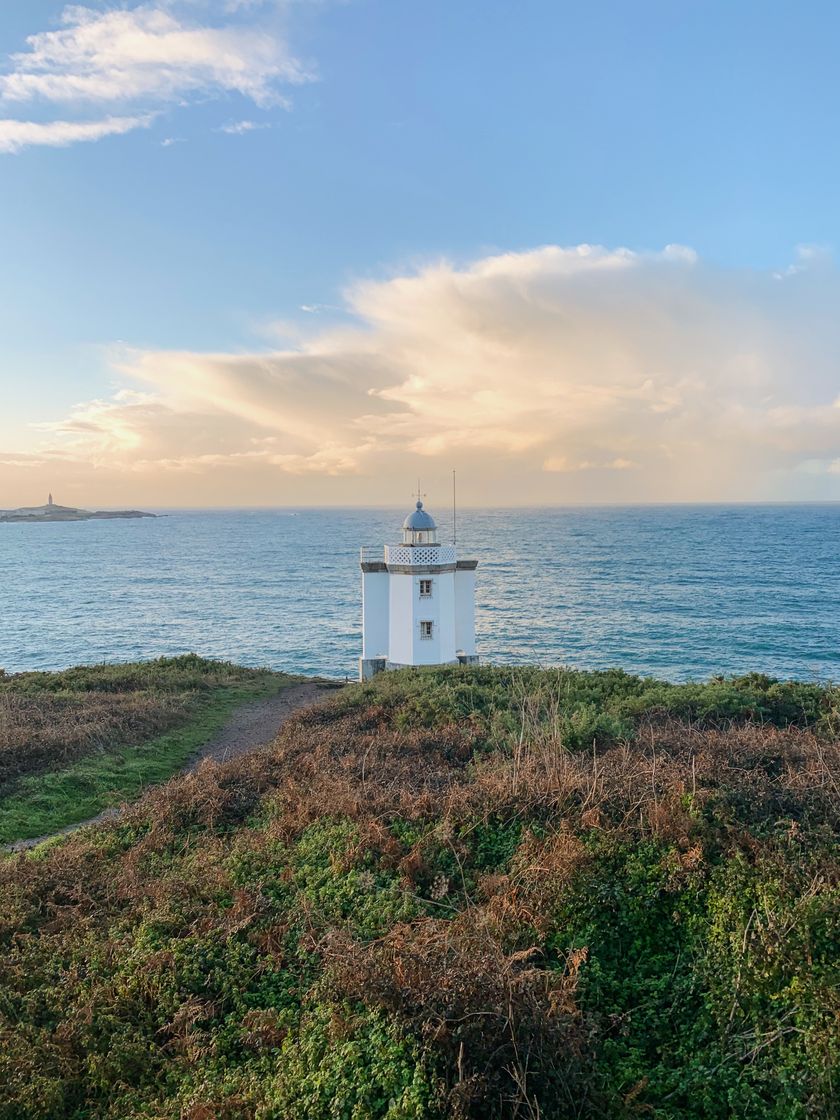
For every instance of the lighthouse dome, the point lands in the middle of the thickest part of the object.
(419, 528)
(419, 520)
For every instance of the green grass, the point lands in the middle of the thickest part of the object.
(42, 804)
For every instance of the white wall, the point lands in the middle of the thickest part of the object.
(401, 643)
(445, 595)
(375, 614)
(465, 611)
(408, 610)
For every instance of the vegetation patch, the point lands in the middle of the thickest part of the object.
(463, 893)
(76, 742)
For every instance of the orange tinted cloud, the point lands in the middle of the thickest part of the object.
(551, 375)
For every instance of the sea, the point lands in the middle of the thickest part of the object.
(677, 592)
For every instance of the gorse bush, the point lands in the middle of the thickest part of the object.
(431, 697)
(457, 893)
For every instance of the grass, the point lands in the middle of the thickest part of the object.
(462, 894)
(108, 715)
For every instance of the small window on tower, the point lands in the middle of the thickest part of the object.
(425, 589)
(426, 630)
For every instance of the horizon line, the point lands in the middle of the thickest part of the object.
(528, 506)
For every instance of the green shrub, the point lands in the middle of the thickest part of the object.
(346, 1063)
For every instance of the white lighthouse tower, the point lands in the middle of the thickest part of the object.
(418, 602)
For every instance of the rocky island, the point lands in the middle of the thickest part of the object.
(53, 512)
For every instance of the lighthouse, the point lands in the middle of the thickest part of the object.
(418, 601)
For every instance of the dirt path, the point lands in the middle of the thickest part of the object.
(251, 725)
(256, 722)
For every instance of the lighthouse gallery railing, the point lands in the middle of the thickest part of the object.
(405, 554)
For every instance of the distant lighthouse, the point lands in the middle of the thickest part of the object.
(418, 601)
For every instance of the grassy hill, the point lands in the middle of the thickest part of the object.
(73, 743)
(454, 893)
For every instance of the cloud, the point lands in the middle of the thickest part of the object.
(560, 463)
(147, 52)
(239, 128)
(146, 56)
(24, 461)
(16, 135)
(555, 374)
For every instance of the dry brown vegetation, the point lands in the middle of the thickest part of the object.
(50, 720)
(46, 732)
(373, 918)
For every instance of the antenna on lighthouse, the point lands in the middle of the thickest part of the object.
(454, 512)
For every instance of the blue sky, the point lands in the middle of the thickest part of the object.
(451, 130)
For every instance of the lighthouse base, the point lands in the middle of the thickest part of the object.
(370, 666)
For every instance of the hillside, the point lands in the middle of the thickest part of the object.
(73, 743)
(451, 893)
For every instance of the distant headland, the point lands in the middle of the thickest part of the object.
(53, 512)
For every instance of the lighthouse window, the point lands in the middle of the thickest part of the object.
(426, 630)
(425, 589)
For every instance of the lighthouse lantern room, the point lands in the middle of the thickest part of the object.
(418, 601)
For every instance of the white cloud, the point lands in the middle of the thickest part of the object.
(147, 56)
(239, 128)
(807, 257)
(16, 135)
(555, 374)
(147, 52)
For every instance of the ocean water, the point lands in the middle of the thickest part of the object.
(678, 592)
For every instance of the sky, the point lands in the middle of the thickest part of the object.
(297, 252)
